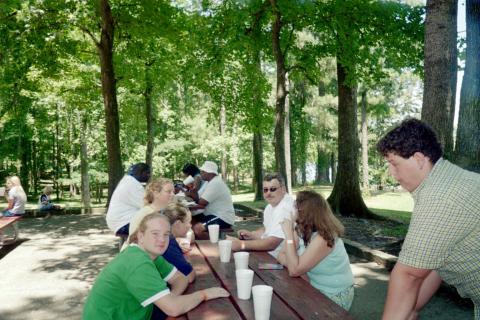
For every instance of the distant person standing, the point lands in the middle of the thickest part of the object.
(216, 200)
(127, 198)
(16, 198)
(443, 239)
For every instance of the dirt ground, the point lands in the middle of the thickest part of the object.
(48, 274)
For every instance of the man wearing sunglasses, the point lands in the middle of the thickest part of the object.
(270, 236)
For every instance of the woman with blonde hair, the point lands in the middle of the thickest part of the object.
(159, 195)
(16, 198)
(321, 253)
(134, 284)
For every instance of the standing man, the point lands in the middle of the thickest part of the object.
(443, 239)
(270, 236)
(127, 199)
(216, 199)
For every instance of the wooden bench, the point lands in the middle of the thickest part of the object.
(6, 222)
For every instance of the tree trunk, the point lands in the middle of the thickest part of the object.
(57, 151)
(223, 132)
(333, 165)
(286, 133)
(346, 198)
(109, 92)
(258, 165)
(85, 179)
(440, 69)
(149, 113)
(280, 96)
(364, 135)
(467, 150)
(322, 166)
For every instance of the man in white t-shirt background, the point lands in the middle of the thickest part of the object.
(280, 206)
(127, 198)
(216, 199)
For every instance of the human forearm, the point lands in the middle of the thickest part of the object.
(178, 284)
(403, 290)
(176, 305)
(291, 258)
(429, 286)
(191, 276)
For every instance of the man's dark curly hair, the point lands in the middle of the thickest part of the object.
(412, 135)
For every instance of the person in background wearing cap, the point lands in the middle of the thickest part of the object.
(270, 237)
(127, 198)
(134, 284)
(216, 199)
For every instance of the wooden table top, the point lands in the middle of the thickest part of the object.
(293, 298)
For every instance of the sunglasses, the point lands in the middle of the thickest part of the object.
(271, 189)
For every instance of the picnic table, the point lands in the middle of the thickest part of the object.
(293, 298)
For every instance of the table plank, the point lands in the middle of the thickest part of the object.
(222, 308)
(226, 273)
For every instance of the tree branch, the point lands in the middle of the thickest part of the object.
(91, 35)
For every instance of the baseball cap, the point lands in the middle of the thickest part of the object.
(210, 167)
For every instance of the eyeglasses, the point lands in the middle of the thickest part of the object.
(271, 189)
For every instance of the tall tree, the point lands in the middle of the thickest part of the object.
(440, 69)
(109, 91)
(280, 94)
(467, 150)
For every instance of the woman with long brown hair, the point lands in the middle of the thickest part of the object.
(320, 253)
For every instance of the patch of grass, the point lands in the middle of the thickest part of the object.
(392, 205)
(400, 216)
(398, 231)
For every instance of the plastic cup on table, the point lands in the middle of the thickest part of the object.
(241, 260)
(244, 283)
(262, 300)
(225, 249)
(213, 231)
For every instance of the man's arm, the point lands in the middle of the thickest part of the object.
(251, 235)
(403, 291)
(267, 244)
(201, 204)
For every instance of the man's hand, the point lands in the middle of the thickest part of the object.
(236, 243)
(245, 235)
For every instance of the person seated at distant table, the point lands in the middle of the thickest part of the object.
(135, 281)
(198, 185)
(45, 204)
(16, 197)
(216, 200)
(127, 199)
(321, 253)
(280, 206)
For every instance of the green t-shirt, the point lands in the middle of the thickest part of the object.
(128, 286)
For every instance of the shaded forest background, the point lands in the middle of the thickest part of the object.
(90, 87)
